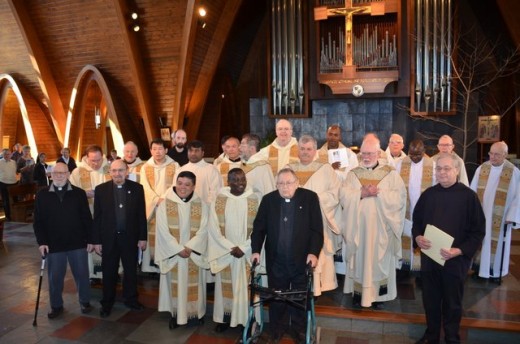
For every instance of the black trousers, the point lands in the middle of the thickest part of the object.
(5, 199)
(442, 300)
(125, 251)
(283, 316)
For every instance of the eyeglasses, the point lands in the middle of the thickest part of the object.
(59, 173)
(120, 170)
(281, 184)
(443, 169)
(396, 142)
(445, 144)
(495, 155)
(368, 153)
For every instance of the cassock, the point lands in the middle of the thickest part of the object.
(208, 182)
(156, 180)
(417, 177)
(278, 156)
(182, 286)
(231, 225)
(322, 179)
(86, 178)
(372, 229)
(498, 190)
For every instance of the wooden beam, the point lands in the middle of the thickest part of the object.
(207, 72)
(41, 66)
(183, 77)
(137, 71)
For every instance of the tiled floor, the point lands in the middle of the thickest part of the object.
(487, 306)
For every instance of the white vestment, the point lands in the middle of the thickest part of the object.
(134, 170)
(393, 161)
(489, 259)
(182, 286)
(84, 177)
(322, 179)
(284, 154)
(156, 180)
(415, 189)
(230, 226)
(208, 177)
(372, 229)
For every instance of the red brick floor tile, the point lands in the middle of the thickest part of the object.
(76, 328)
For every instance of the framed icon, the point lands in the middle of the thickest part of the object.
(489, 128)
(165, 134)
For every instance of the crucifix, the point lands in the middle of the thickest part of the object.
(369, 63)
(374, 8)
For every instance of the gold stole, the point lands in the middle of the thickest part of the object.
(149, 172)
(172, 212)
(426, 180)
(225, 168)
(86, 182)
(499, 203)
(304, 176)
(371, 177)
(273, 157)
(225, 274)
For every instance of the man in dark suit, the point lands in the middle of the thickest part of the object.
(289, 221)
(119, 230)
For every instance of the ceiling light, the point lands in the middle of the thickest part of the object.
(134, 15)
(136, 28)
(202, 11)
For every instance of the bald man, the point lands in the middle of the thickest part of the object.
(497, 183)
(394, 151)
(283, 150)
(446, 145)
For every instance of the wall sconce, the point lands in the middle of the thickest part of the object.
(97, 117)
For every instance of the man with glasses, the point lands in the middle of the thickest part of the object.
(455, 209)
(118, 232)
(289, 222)
(374, 202)
(394, 151)
(446, 145)
(417, 171)
(62, 224)
(497, 183)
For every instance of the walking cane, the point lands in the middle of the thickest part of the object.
(503, 249)
(39, 291)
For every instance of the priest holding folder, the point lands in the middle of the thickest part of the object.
(455, 209)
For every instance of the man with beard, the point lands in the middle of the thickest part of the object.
(373, 198)
(229, 249)
(178, 152)
(62, 224)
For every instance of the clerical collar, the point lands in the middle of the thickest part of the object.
(128, 162)
(287, 200)
(235, 160)
(185, 200)
(373, 167)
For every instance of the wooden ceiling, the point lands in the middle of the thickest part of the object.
(164, 71)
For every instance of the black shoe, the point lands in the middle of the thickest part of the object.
(221, 327)
(378, 306)
(104, 312)
(55, 312)
(135, 306)
(86, 308)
